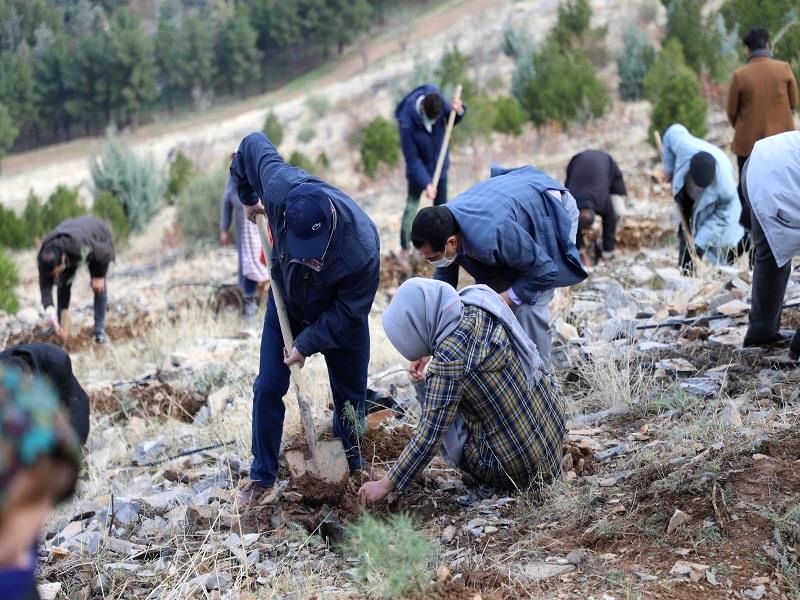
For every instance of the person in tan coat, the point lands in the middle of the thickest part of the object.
(761, 98)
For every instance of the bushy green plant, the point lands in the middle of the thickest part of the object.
(32, 215)
(14, 232)
(134, 180)
(699, 36)
(638, 55)
(674, 91)
(478, 122)
(300, 160)
(563, 88)
(392, 555)
(380, 143)
(9, 279)
(306, 134)
(180, 170)
(318, 106)
(323, 162)
(198, 206)
(108, 208)
(508, 116)
(273, 129)
(62, 204)
(573, 31)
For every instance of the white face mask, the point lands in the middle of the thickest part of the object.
(444, 261)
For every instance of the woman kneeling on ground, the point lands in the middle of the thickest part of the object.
(490, 408)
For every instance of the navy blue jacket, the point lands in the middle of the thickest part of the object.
(420, 148)
(332, 305)
(514, 234)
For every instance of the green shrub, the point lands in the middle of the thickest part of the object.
(61, 205)
(300, 160)
(392, 555)
(198, 206)
(563, 87)
(380, 143)
(318, 106)
(133, 180)
(323, 162)
(699, 36)
(508, 116)
(638, 55)
(674, 91)
(9, 279)
(273, 129)
(108, 208)
(573, 31)
(14, 232)
(306, 134)
(478, 123)
(33, 217)
(180, 170)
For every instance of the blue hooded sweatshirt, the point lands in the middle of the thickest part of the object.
(332, 304)
(421, 148)
(515, 234)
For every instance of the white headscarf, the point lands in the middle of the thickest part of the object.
(425, 311)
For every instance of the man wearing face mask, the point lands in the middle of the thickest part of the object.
(325, 261)
(514, 232)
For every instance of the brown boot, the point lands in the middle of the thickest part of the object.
(252, 494)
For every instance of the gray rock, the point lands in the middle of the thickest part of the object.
(218, 581)
(577, 557)
(539, 571)
(148, 451)
(101, 584)
(755, 593)
(125, 511)
(704, 387)
(610, 453)
(28, 315)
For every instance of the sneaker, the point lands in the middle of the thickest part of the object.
(100, 337)
(249, 310)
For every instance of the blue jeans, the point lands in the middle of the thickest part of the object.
(347, 372)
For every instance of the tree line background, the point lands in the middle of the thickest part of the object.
(70, 68)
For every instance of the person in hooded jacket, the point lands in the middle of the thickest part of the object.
(325, 261)
(422, 119)
(59, 257)
(704, 189)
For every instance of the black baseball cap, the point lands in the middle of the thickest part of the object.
(309, 220)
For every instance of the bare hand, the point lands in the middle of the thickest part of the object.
(250, 211)
(98, 284)
(416, 370)
(224, 238)
(373, 491)
(294, 357)
(457, 105)
(430, 191)
(507, 299)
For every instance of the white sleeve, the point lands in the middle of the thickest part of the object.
(568, 201)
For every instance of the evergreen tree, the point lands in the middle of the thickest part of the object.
(197, 66)
(699, 37)
(239, 58)
(132, 64)
(16, 86)
(638, 55)
(674, 91)
(8, 131)
(52, 59)
(170, 48)
(91, 80)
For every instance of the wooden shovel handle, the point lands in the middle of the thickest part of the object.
(451, 121)
(306, 416)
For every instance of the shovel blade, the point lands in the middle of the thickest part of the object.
(330, 464)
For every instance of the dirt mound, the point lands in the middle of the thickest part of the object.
(396, 268)
(381, 446)
(148, 400)
(83, 338)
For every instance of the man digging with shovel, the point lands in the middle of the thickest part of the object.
(325, 262)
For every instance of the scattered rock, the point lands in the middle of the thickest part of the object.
(218, 581)
(49, 591)
(711, 578)
(101, 584)
(125, 511)
(731, 416)
(755, 593)
(148, 451)
(733, 307)
(678, 519)
(577, 557)
(448, 534)
(539, 570)
(218, 401)
(694, 571)
(28, 315)
(567, 331)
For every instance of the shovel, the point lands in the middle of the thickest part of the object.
(451, 121)
(328, 461)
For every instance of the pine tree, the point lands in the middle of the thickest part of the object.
(197, 66)
(132, 64)
(674, 91)
(8, 131)
(169, 52)
(699, 36)
(240, 58)
(638, 55)
(52, 59)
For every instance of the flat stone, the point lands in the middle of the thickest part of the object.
(705, 387)
(49, 591)
(679, 366)
(218, 401)
(678, 519)
(218, 581)
(755, 593)
(540, 570)
(125, 511)
(448, 534)
(148, 451)
(694, 571)
(733, 307)
(731, 415)
(577, 557)
(28, 315)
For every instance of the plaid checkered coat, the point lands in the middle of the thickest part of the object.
(515, 433)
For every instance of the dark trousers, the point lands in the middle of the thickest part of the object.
(769, 287)
(64, 293)
(744, 220)
(347, 372)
